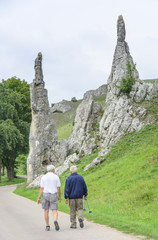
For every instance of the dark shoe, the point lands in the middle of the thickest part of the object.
(81, 223)
(56, 225)
(47, 228)
(72, 226)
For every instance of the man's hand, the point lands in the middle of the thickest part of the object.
(59, 199)
(38, 200)
(85, 197)
(66, 201)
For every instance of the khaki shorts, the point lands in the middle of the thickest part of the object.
(49, 201)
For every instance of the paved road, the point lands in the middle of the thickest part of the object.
(22, 219)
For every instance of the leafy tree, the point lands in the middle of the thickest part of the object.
(21, 88)
(21, 163)
(12, 142)
(15, 118)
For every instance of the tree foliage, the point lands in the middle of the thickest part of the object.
(15, 118)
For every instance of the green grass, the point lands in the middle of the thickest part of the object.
(151, 80)
(64, 121)
(100, 99)
(65, 130)
(123, 190)
(152, 107)
(4, 181)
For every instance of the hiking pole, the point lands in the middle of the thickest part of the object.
(87, 205)
(84, 206)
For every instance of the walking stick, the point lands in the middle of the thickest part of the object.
(85, 200)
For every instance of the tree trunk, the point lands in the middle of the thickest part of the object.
(10, 173)
(0, 169)
(3, 170)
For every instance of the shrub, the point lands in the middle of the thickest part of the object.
(128, 81)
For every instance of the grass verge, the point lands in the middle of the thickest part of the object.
(4, 181)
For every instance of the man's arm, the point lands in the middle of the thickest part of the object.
(84, 189)
(66, 192)
(39, 195)
(59, 197)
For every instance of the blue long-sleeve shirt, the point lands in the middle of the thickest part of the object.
(75, 187)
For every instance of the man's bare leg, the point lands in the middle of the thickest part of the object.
(46, 216)
(55, 215)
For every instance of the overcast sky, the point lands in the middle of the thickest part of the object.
(77, 39)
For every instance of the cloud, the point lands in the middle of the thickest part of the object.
(77, 40)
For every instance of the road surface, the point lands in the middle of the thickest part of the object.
(22, 219)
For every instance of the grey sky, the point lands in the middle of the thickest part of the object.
(77, 39)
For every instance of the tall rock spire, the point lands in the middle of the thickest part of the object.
(43, 134)
(38, 69)
(121, 31)
(43, 140)
(120, 59)
(121, 113)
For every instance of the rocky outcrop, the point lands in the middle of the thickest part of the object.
(70, 160)
(101, 91)
(94, 163)
(61, 107)
(36, 182)
(84, 134)
(43, 140)
(124, 112)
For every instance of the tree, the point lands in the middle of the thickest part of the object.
(15, 118)
(21, 88)
(12, 142)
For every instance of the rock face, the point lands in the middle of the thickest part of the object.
(83, 137)
(60, 107)
(124, 113)
(102, 90)
(94, 163)
(43, 140)
(70, 160)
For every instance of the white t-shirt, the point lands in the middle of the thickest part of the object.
(50, 182)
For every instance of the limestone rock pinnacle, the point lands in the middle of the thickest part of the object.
(38, 69)
(121, 57)
(122, 113)
(43, 134)
(121, 31)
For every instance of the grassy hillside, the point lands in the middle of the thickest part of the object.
(123, 190)
(64, 121)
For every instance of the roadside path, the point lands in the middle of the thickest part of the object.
(22, 219)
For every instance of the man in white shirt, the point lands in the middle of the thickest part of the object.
(50, 187)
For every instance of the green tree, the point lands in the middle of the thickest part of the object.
(15, 118)
(21, 87)
(12, 142)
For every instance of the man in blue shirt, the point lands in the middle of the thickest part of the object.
(75, 189)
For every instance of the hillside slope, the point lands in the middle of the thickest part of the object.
(123, 190)
(64, 121)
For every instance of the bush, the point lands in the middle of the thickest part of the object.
(128, 81)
